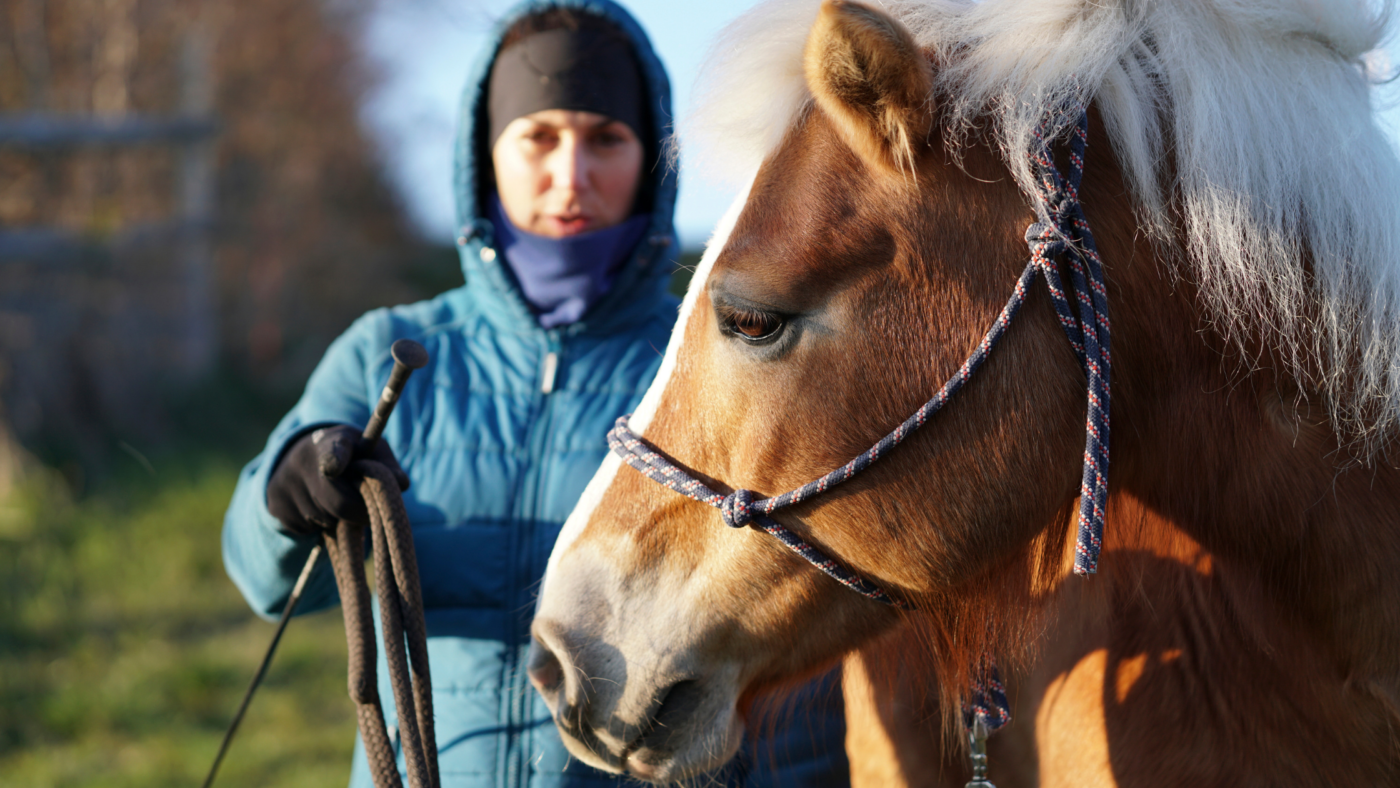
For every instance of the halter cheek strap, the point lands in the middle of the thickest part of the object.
(1085, 325)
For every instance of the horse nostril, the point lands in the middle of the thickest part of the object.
(679, 704)
(544, 669)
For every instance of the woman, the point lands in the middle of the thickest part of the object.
(565, 206)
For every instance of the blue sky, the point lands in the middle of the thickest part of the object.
(423, 48)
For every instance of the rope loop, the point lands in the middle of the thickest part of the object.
(737, 508)
(399, 589)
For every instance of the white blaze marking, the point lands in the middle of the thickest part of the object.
(641, 418)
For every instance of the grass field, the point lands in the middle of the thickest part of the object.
(124, 648)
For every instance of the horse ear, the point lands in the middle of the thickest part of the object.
(868, 74)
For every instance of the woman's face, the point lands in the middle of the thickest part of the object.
(562, 172)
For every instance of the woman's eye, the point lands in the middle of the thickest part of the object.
(753, 326)
(608, 139)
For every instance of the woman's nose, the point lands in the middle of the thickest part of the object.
(569, 165)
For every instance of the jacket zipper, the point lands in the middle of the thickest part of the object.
(548, 368)
(537, 440)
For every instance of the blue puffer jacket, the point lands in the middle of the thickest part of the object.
(499, 434)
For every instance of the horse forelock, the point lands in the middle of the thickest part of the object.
(1244, 130)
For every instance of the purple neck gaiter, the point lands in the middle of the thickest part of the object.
(562, 277)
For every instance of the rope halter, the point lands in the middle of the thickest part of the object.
(1086, 326)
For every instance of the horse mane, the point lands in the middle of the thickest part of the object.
(1244, 129)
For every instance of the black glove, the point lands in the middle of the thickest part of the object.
(310, 490)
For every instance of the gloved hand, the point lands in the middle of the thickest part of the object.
(310, 489)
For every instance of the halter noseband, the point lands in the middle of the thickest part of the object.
(1087, 329)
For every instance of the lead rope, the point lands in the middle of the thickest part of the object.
(1086, 326)
(401, 599)
(401, 604)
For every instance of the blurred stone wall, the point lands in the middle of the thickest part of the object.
(240, 239)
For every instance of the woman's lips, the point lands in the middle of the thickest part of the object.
(571, 224)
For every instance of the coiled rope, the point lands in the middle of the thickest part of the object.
(401, 604)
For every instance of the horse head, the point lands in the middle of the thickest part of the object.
(861, 270)
(864, 264)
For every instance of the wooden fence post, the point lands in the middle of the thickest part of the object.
(197, 206)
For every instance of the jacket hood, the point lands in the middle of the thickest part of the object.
(643, 278)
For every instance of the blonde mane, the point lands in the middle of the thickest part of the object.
(1244, 127)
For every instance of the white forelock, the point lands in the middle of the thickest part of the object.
(1275, 154)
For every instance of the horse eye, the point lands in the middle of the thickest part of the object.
(753, 326)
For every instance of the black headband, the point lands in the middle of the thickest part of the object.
(583, 70)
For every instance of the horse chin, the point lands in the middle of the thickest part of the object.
(704, 748)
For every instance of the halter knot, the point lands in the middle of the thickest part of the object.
(737, 508)
(1045, 241)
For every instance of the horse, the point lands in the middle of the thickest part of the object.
(1240, 621)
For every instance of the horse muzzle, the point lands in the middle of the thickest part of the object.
(660, 725)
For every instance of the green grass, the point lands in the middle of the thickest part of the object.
(124, 648)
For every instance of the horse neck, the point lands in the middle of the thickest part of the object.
(1234, 465)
